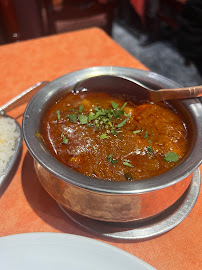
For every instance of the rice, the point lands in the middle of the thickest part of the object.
(8, 137)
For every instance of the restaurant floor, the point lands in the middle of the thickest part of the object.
(161, 56)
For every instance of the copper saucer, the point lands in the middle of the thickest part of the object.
(145, 228)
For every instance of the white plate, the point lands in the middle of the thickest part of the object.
(51, 251)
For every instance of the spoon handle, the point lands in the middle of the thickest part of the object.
(178, 93)
(22, 98)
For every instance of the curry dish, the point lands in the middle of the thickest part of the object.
(109, 137)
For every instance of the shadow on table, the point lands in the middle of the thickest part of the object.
(41, 202)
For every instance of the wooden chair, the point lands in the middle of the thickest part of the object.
(9, 27)
(20, 20)
(72, 15)
(169, 11)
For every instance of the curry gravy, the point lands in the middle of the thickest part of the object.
(110, 137)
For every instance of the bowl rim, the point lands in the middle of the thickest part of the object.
(41, 154)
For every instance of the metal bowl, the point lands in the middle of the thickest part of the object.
(102, 199)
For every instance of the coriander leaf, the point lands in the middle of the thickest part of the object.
(123, 122)
(126, 162)
(71, 110)
(150, 149)
(96, 109)
(58, 114)
(110, 159)
(91, 116)
(171, 157)
(110, 156)
(81, 108)
(110, 123)
(114, 132)
(104, 136)
(94, 116)
(146, 135)
(124, 105)
(83, 119)
(114, 161)
(119, 113)
(72, 117)
(136, 131)
(115, 105)
(65, 140)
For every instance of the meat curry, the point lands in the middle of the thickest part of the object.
(110, 137)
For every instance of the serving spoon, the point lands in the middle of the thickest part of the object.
(140, 92)
(22, 98)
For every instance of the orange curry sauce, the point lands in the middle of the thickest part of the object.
(110, 137)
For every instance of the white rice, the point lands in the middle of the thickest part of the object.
(8, 137)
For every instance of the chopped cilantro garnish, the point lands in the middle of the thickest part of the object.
(150, 149)
(104, 136)
(83, 119)
(65, 140)
(72, 117)
(171, 157)
(58, 114)
(102, 118)
(136, 131)
(71, 110)
(123, 122)
(124, 105)
(110, 123)
(91, 116)
(81, 108)
(110, 159)
(114, 132)
(115, 105)
(96, 109)
(95, 116)
(146, 135)
(126, 162)
(119, 113)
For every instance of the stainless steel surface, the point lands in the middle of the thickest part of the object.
(22, 98)
(109, 200)
(145, 229)
(13, 159)
(142, 93)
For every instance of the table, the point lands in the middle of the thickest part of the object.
(25, 206)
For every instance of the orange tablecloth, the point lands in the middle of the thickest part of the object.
(25, 206)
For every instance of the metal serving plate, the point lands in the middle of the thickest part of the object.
(22, 98)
